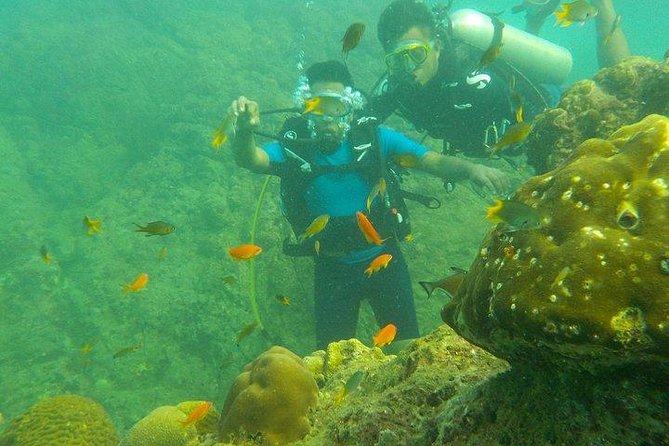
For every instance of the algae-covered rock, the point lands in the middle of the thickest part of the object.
(272, 397)
(591, 286)
(162, 427)
(617, 96)
(64, 420)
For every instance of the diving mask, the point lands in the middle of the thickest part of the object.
(328, 105)
(408, 55)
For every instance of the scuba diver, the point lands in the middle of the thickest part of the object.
(340, 194)
(444, 86)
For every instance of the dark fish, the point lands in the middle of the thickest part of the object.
(155, 228)
(352, 37)
(450, 284)
(230, 280)
(129, 349)
(283, 299)
(247, 330)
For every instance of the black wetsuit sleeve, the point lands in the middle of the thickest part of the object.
(381, 106)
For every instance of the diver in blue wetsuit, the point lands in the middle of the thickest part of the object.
(329, 160)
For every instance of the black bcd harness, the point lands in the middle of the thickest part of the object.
(342, 235)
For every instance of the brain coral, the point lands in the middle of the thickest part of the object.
(271, 396)
(617, 96)
(592, 283)
(65, 420)
(162, 427)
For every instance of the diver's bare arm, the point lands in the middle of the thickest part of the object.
(246, 151)
(613, 48)
(447, 167)
(247, 154)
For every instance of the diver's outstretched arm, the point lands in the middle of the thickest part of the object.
(612, 45)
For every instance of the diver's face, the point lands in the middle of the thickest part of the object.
(425, 70)
(330, 130)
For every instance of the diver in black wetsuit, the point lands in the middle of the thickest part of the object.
(432, 83)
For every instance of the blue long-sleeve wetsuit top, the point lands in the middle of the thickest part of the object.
(340, 194)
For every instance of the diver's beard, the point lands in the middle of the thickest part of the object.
(328, 143)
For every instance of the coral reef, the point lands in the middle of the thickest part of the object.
(64, 420)
(590, 288)
(400, 397)
(272, 397)
(162, 427)
(617, 96)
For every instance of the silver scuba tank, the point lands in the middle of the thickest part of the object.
(543, 62)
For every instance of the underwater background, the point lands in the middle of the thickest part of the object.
(107, 111)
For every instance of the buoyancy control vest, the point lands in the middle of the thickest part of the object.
(342, 234)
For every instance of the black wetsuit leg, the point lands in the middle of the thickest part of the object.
(339, 289)
(391, 296)
(337, 294)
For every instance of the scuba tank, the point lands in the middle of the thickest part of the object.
(543, 62)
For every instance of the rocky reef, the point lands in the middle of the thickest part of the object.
(616, 96)
(590, 287)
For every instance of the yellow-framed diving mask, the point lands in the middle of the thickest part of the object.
(408, 55)
(328, 106)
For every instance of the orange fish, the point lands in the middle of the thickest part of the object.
(139, 283)
(406, 160)
(244, 252)
(92, 226)
(385, 336)
(378, 263)
(198, 413)
(367, 229)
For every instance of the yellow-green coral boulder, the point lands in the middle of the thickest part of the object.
(272, 397)
(591, 285)
(65, 420)
(162, 427)
(616, 96)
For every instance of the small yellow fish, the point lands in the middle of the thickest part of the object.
(224, 131)
(311, 105)
(579, 11)
(45, 255)
(315, 227)
(87, 348)
(283, 300)
(92, 226)
(515, 134)
(244, 332)
(516, 215)
(317, 247)
(379, 189)
(406, 160)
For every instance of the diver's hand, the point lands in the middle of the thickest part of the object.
(488, 180)
(247, 112)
